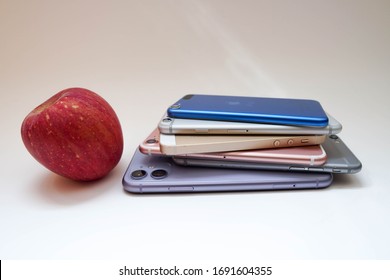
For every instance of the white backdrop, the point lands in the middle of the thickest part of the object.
(141, 56)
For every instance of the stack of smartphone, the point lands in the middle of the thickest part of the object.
(232, 143)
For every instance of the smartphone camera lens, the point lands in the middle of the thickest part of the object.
(138, 174)
(188, 96)
(167, 120)
(333, 137)
(151, 141)
(175, 106)
(159, 174)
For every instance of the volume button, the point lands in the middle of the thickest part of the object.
(181, 189)
(201, 131)
(316, 169)
(238, 131)
(293, 168)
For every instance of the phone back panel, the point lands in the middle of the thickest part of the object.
(250, 109)
(198, 179)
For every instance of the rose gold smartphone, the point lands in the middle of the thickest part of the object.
(313, 155)
(151, 145)
(307, 155)
(340, 159)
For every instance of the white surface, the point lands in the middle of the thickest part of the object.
(141, 56)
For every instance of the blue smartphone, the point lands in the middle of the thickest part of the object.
(299, 112)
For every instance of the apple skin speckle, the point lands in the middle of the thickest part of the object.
(75, 133)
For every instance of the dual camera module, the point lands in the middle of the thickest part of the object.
(156, 174)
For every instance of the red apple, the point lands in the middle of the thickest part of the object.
(75, 133)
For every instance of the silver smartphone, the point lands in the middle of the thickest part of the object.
(340, 159)
(168, 125)
(159, 174)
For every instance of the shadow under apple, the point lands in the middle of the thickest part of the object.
(59, 190)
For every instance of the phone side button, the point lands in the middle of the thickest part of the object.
(201, 131)
(238, 131)
(181, 189)
(316, 169)
(293, 168)
(336, 170)
(218, 131)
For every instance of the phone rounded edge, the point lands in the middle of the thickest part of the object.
(127, 186)
(319, 159)
(326, 183)
(334, 126)
(355, 168)
(165, 127)
(168, 144)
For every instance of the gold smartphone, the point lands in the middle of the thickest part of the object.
(186, 144)
(312, 155)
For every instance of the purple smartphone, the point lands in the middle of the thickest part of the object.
(159, 174)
